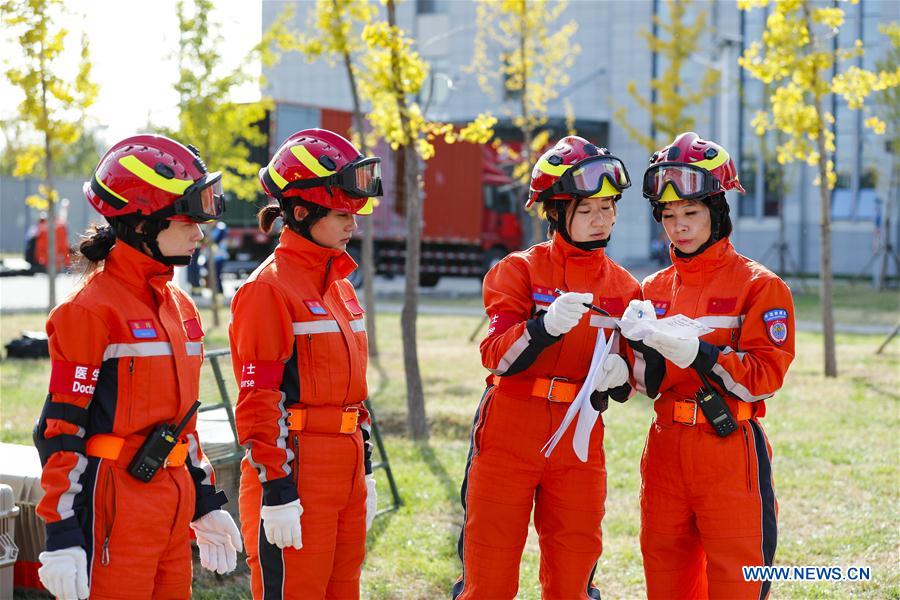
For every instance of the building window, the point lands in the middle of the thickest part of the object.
(430, 7)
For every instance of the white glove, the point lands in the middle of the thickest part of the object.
(565, 312)
(679, 351)
(64, 573)
(282, 524)
(638, 310)
(219, 541)
(613, 373)
(371, 501)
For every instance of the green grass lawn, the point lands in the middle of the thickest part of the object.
(836, 464)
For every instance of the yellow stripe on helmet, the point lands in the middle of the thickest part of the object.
(711, 163)
(277, 178)
(105, 187)
(309, 162)
(556, 170)
(173, 186)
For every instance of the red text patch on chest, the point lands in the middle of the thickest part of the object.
(142, 329)
(353, 306)
(315, 307)
(193, 329)
(660, 306)
(720, 306)
(543, 296)
(614, 306)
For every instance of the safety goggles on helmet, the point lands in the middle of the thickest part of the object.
(360, 179)
(586, 178)
(203, 200)
(689, 182)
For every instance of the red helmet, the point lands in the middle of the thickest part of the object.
(596, 173)
(323, 167)
(690, 168)
(154, 177)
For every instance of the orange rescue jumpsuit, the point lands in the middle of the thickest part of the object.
(125, 350)
(506, 472)
(708, 503)
(299, 344)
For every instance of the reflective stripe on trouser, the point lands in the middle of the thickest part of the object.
(507, 476)
(139, 533)
(332, 491)
(708, 508)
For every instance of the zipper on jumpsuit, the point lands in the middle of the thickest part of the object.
(747, 456)
(131, 402)
(309, 351)
(110, 518)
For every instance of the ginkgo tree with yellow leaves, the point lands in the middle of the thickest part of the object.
(521, 48)
(797, 60)
(390, 76)
(676, 41)
(54, 101)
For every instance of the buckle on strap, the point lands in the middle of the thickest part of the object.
(685, 412)
(550, 395)
(349, 419)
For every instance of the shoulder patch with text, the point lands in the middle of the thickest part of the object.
(775, 321)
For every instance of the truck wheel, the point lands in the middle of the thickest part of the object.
(428, 279)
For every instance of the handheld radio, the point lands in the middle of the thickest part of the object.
(714, 409)
(156, 448)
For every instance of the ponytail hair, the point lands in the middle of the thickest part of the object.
(96, 244)
(267, 215)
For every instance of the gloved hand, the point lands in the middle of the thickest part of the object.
(282, 524)
(565, 312)
(371, 501)
(219, 541)
(679, 351)
(638, 310)
(64, 573)
(612, 374)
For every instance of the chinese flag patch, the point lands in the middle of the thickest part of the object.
(721, 306)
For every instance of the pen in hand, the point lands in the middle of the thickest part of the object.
(596, 309)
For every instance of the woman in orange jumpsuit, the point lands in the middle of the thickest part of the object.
(125, 351)
(538, 349)
(707, 500)
(299, 352)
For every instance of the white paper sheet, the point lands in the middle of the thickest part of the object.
(582, 403)
(678, 326)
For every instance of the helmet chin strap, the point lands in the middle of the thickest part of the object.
(560, 222)
(126, 230)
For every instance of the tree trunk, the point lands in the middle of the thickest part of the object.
(368, 238)
(212, 278)
(825, 278)
(415, 397)
(51, 227)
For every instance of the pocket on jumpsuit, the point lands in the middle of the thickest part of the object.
(107, 509)
(483, 411)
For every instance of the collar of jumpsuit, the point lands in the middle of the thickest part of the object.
(329, 264)
(562, 251)
(135, 268)
(695, 269)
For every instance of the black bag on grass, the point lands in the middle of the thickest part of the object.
(32, 344)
